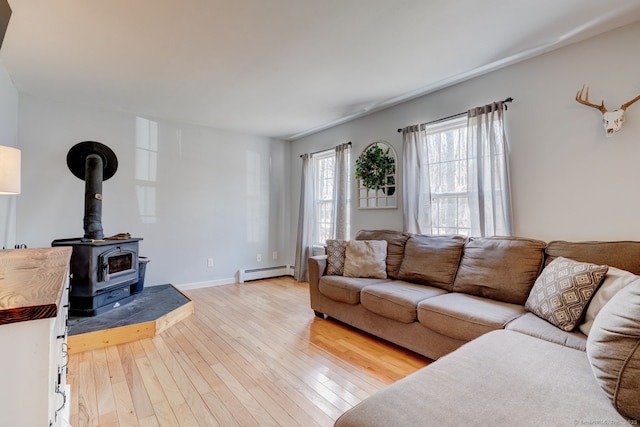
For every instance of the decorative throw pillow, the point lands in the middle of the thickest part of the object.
(563, 290)
(613, 349)
(366, 258)
(614, 281)
(335, 256)
(396, 241)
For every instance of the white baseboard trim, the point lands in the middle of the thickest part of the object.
(207, 284)
(264, 273)
(287, 270)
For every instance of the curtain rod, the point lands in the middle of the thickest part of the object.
(322, 151)
(457, 115)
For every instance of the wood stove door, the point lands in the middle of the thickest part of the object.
(116, 262)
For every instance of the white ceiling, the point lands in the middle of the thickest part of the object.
(281, 68)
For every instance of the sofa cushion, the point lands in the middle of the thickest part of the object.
(396, 300)
(465, 317)
(501, 379)
(532, 325)
(344, 289)
(613, 282)
(366, 258)
(431, 260)
(613, 348)
(395, 246)
(622, 255)
(335, 256)
(563, 290)
(500, 268)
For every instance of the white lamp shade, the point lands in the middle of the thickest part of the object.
(9, 170)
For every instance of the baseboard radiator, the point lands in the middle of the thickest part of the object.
(264, 273)
(317, 250)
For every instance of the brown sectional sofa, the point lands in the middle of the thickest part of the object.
(462, 301)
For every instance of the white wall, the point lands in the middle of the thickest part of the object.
(8, 137)
(219, 194)
(568, 180)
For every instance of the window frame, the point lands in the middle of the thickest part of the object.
(323, 198)
(446, 190)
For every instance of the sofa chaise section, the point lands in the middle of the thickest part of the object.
(503, 378)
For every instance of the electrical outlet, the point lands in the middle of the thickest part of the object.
(259, 258)
(209, 262)
(275, 255)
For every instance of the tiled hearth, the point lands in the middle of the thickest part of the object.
(151, 311)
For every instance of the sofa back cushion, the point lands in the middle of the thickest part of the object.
(624, 255)
(614, 281)
(613, 349)
(431, 260)
(500, 268)
(395, 247)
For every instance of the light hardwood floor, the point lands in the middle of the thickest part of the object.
(251, 355)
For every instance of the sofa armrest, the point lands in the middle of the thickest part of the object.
(317, 267)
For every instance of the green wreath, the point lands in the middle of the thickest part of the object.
(374, 166)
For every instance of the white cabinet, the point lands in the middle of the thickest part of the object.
(34, 292)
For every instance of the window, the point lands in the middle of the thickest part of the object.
(324, 179)
(446, 158)
(456, 175)
(324, 166)
(324, 202)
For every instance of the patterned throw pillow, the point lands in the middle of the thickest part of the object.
(563, 290)
(335, 257)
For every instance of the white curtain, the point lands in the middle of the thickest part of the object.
(341, 202)
(416, 203)
(305, 219)
(488, 183)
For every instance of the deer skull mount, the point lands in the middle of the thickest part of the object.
(612, 120)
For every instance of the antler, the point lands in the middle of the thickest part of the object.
(600, 107)
(627, 104)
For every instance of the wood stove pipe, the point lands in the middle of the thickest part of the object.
(93, 198)
(94, 163)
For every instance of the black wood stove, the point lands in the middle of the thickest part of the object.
(104, 271)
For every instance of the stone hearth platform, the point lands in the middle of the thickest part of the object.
(150, 312)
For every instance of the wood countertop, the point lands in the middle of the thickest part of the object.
(31, 283)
